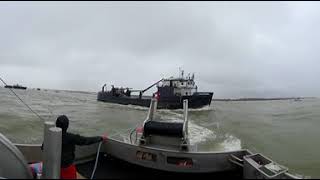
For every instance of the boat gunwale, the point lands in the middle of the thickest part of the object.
(152, 148)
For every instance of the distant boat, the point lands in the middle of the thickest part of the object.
(17, 86)
(297, 99)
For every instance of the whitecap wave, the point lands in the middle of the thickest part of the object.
(137, 107)
(231, 143)
(203, 109)
(199, 134)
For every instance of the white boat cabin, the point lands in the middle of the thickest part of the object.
(183, 86)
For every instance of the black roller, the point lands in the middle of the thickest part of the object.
(163, 128)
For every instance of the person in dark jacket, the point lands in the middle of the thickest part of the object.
(69, 142)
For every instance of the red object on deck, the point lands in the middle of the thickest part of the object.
(139, 129)
(69, 172)
(157, 95)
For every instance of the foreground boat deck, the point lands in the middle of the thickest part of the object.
(110, 168)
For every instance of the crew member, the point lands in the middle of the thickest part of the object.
(69, 142)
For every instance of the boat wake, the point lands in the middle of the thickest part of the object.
(198, 134)
(139, 108)
(231, 143)
(203, 135)
(203, 109)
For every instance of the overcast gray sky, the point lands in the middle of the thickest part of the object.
(236, 49)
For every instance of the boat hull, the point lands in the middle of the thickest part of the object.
(197, 100)
(15, 87)
(203, 162)
(168, 160)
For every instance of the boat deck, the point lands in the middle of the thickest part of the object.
(110, 167)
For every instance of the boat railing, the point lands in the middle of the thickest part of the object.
(259, 166)
(162, 132)
(152, 110)
(185, 115)
(12, 162)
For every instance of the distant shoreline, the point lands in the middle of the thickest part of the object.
(263, 99)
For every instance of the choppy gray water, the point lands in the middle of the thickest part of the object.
(286, 131)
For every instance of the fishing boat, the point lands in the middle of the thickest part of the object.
(171, 93)
(16, 86)
(159, 148)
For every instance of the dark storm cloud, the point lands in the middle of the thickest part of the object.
(236, 49)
